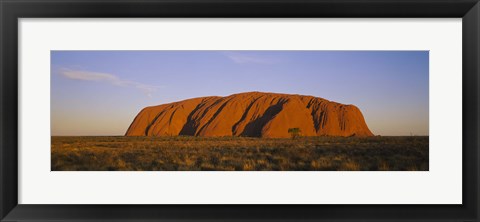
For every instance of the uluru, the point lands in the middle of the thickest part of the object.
(251, 114)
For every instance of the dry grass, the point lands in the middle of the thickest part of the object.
(239, 153)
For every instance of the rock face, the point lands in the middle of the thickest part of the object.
(252, 114)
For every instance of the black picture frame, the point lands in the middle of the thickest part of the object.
(12, 10)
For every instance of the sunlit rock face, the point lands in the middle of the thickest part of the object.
(252, 114)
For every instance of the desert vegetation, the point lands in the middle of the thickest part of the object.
(188, 153)
(294, 132)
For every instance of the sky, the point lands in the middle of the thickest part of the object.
(101, 92)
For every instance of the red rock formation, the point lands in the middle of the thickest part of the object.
(254, 114)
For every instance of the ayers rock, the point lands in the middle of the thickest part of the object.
(253, 114)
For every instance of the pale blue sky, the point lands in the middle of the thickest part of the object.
(100, 92)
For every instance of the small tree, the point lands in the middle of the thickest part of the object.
(294, 132)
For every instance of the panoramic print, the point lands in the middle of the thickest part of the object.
(239, 110)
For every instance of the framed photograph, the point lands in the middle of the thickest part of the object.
(239, 110)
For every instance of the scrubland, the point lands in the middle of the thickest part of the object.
(186, 153)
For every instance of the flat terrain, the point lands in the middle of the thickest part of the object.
(183, 153)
